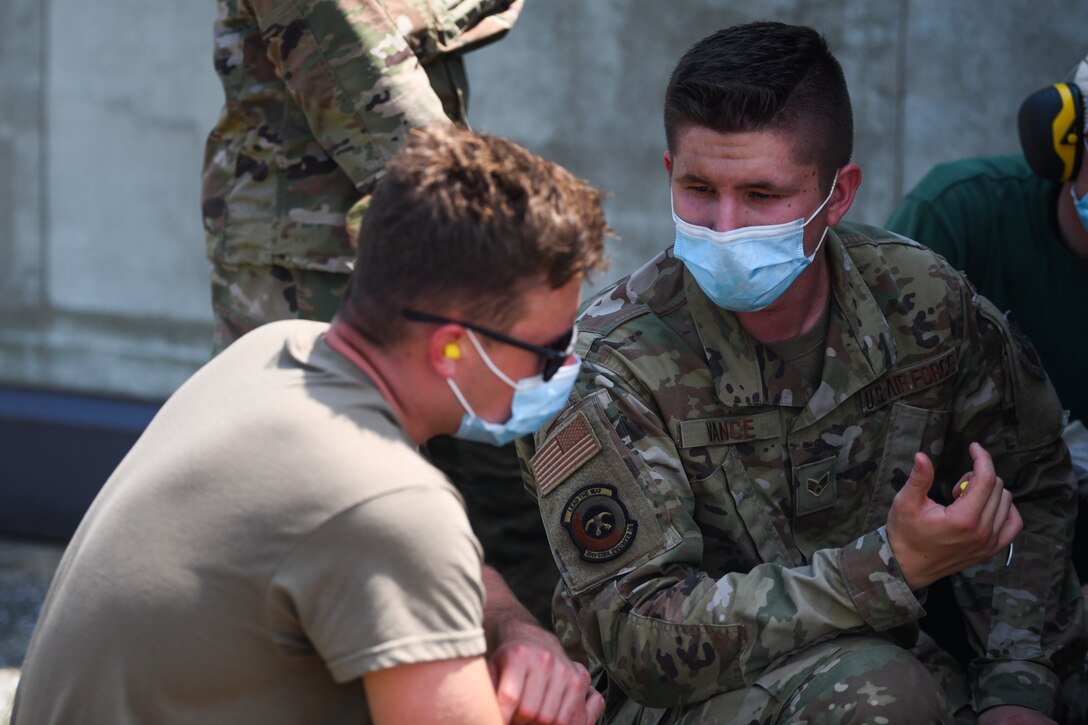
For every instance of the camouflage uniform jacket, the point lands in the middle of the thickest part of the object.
(319, 95)
(711, 512)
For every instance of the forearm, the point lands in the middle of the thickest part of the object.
(504, 615)
(670, 634)
(446, 692)
(1028, 616)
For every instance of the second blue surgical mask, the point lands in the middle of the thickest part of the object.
(1082, 206)
(746, 269)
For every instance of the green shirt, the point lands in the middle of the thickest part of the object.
(997, 221)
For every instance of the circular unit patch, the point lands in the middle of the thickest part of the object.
(598, 523)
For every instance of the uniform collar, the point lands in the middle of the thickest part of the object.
(860, 347)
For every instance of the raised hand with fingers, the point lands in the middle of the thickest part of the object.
(931, 541)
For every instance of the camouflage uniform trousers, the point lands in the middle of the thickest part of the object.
(849, 679)
(245, 297)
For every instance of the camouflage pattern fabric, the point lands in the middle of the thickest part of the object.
(711, 512)
(246, 297)
(849, 679)
(319, 94)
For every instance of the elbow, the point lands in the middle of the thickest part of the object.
(659, 663)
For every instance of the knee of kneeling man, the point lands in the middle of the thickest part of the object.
(871, 681)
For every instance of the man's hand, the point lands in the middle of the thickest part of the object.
(536, 683)
(931, 541)
(534, 680)
(1013, 715)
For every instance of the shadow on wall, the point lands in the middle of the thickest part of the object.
(56, 451)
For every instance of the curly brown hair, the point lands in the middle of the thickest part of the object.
(464, 221)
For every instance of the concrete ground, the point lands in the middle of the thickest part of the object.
(26, 568)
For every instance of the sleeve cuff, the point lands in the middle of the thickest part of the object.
(1014, 683)
(875, 583)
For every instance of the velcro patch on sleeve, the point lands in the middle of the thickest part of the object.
(563, 453)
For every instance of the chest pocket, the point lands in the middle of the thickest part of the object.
(910, 429)
(843, 491)
(766, 523)
(727, 545)
(740, 499)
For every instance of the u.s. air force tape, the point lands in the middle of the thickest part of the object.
(598, 523)
(902, 382)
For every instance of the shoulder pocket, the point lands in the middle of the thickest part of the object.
(1027, 387)
(602, 511)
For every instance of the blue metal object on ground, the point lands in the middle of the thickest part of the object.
(56, 451)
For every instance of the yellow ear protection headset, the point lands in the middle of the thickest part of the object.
(1051, 123)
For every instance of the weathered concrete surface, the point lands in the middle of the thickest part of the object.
(103, 285)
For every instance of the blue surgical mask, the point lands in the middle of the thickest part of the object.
(746, 269)
(535, 402)
(1082, 206)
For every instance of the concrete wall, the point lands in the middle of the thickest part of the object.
(104, 108)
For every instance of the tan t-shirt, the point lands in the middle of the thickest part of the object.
(271, 537)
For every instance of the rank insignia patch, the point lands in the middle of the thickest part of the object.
(598, 523)
(816, 486)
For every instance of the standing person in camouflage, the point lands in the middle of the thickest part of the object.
(319, 95)
(736, 494)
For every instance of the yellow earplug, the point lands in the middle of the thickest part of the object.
(963, 486)
(452, 351)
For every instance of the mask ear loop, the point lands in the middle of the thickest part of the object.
(461, 398)
(820, 208)
(823, 236)
(457, 391)
(487, 361)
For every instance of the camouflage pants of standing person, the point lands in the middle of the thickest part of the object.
(850, 679)
(245, 297)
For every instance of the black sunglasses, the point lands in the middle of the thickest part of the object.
(554, 353)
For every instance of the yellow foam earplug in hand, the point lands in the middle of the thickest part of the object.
(963, 487)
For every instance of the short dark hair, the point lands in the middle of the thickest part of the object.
(465, 222)
(766, 76)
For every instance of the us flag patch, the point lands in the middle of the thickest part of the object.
(564, 452)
